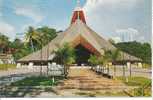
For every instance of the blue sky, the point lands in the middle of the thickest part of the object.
(115, 19)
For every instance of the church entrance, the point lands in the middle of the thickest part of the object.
(82, 55)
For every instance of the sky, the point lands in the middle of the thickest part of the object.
(121, 20)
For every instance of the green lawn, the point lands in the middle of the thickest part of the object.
(135, 81)
(146, 65)
(144, 85)
(7, 66)
(37, 81)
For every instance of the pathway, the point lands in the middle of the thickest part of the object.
(84, 82)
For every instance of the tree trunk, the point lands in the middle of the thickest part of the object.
(31, 42)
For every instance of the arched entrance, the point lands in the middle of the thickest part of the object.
(83, 50)
(82, 55)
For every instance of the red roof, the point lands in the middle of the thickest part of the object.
(78, 14)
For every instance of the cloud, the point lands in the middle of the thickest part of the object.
(108, 16)
(92, 5)
(6, 28)
(30, 13)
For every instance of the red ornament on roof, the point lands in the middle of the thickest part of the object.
(78, 14)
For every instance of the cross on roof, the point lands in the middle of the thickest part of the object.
(78, 6)
(78, 3)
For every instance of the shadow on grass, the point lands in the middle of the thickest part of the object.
(29, 87)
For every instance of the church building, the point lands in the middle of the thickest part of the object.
(81, 37)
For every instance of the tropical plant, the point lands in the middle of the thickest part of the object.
(65, 55)
(32, 38)
(47, 34)
(112, 55)
(93, 60)
(4, 43)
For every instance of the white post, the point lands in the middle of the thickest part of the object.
(49, 67)
(18, 65)
(53, 79)
(30, 66)
(139, 65)
(114, 71)
(129, 67)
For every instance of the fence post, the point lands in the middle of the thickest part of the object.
(123, 71)
(108, 70)
(103, 70)
(130, 70)
(40, 68)
(65, 71)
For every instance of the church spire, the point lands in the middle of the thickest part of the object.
(78, 6)
(78, 3)
(78, 13)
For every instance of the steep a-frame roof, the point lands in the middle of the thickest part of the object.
(77, 33)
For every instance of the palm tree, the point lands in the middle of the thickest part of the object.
(48, 34)
(32, 38)
(65, 56)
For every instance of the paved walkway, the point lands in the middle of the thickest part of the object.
(84, 82)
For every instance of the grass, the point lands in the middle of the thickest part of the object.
(144, 85)
(135, 81)
(7, 66)
(146, 65)
(37, 81)
(31, 86)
